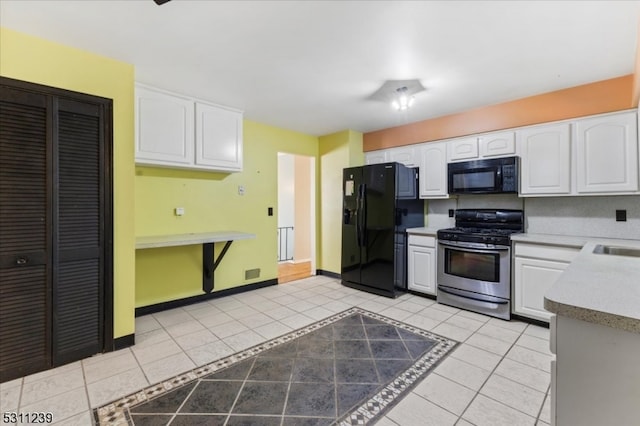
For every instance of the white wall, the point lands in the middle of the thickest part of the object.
(584, 216)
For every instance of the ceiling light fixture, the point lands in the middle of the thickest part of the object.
(399, 93)
(403, 100)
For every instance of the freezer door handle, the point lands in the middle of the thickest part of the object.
(358, 215)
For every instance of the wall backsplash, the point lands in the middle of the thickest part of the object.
(438, 210)
(576, 216)
(583, 216)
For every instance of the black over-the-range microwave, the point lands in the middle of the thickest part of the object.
(490, 176)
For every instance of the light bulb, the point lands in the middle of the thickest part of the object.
(402, 101)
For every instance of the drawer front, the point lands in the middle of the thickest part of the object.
(422, 240)
(556, 253)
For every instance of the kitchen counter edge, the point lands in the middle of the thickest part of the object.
(423, 231)
(596, 288)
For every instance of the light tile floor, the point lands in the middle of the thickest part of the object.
(498, 375)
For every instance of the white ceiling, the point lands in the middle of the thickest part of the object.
(313, 66)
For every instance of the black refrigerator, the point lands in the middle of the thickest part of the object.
(380, 201)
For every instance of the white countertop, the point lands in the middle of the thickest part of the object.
(423, 231)
(555, 240)
(597, 288)
(156, 241)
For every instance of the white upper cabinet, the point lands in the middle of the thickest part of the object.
(404, 155)
(545, 159)
(463, 149)
(182, 132)
(376, 157)
(218, 137)
(499, 144)
(433, 170)
(584, 156)
(164, 128)
(607, 154)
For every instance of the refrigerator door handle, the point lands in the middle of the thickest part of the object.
(363, 214)
(358, 214)
(399, 213)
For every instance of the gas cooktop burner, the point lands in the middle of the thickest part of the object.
(484, 231)
(484, 226)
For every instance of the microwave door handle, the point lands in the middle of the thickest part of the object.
(499, 177)
(494, 250)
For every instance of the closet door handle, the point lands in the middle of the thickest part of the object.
(21, 261)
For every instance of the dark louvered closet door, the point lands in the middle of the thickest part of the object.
(78, 319)
(56, 281)
(24, 234)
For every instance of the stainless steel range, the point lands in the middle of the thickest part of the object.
(474, 261)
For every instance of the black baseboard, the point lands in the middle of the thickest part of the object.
(328, 273)
(426, 296)
(392, 293)
(124, 342)
(530, 320)
(159, 307)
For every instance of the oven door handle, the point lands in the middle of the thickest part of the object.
(466, 296)
(495, 250)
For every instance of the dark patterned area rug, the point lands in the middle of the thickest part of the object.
(347, 369)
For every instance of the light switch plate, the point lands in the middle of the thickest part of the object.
(179, 211)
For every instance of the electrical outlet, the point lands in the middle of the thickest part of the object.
(621, 215)
(240, 189)
(270, 211)
(179, 211)
(452, 212)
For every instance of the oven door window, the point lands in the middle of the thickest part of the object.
(474, 180)
(473, 265)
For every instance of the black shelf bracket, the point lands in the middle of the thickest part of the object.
(209, 264)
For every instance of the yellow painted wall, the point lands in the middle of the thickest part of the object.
(33, 59)
(337, 151)
(212, 203)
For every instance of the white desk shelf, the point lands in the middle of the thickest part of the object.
(207, 239)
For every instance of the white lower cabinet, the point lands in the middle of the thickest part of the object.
(421, 264)
(536, 269)
(534, 277)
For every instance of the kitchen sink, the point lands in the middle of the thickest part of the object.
(616, 250)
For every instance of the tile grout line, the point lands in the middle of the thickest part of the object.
(244, 382)
(489, 377)
(86, 389)
(305, 297)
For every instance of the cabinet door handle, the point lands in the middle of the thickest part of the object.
(21, 261)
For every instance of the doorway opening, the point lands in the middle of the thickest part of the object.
(296, 232)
